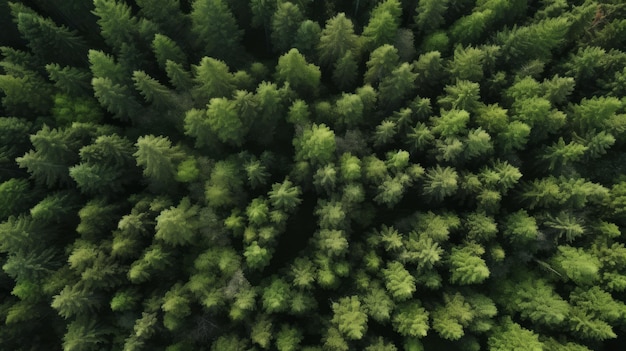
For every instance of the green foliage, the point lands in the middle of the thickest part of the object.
(316, 144)
(303, 77)
(349, 317)
(285, 21)
(47, 40)
(411, 320)
(535, 41)
(466, 265)
(224, 121)
(512, 336)
(337, 40)
(215, 29)
(383, 24)
(213, 79)
(429, 14)
(576, 264)
(285, 196)
(308, 38)
(399, 282)
(441, 182)
(177, 225)
(118, 26)
(382, 62)
(158, 158)
(301, 175)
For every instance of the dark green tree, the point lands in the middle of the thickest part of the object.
(285, 22)
(215, 29)
(337, 40)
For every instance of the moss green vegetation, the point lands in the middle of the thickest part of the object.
(230, 175)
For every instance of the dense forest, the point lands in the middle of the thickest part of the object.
(314, 175)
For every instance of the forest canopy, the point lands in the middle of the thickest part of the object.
(317, 175)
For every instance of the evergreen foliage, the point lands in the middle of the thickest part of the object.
(312, 175)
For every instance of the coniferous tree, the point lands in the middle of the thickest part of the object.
(337, 40)
(235, 175)
(215, 29)
(285, 21)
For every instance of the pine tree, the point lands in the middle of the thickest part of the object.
(316, 144)
(215, 29)
(429, 14)
(119, 27)
(167, 15)
(303, 77)
(166, 49)
(308, 38)
(383, 24)
(224, 122)
(158, 158)
(511, 336)
(285, 22)
(535, 41)
(50, 42)
(337, 40)
(397, 86)
(213, 80)
(349, 317)
(411, 319)
(177, 225)
(452, 317)
(381, 63)
(399, 282)
(466, 265)
(441, 182)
